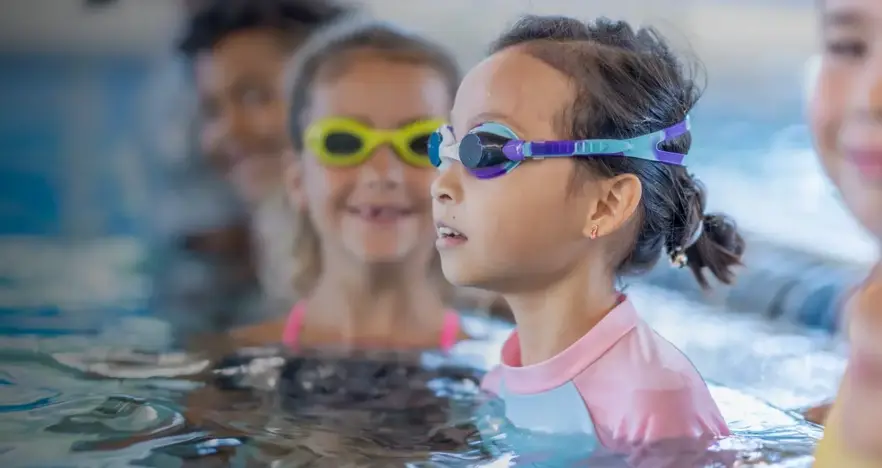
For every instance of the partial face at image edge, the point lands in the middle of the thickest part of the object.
(846, 105)
(846, 119)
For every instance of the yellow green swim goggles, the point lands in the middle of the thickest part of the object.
(345, 142)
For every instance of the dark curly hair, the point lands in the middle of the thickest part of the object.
(293, 19)
(630, 83)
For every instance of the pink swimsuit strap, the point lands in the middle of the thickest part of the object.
(449, 329)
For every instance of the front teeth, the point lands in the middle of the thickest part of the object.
(445, 231)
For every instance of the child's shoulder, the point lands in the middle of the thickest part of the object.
(649, 390)
(260, 334)
(642, 362)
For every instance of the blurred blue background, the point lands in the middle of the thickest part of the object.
(96, 122)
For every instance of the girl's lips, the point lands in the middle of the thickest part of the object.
(449, 242)
(868, 161)
(448, 236)
(379, 214)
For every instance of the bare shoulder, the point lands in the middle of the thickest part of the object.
(261, 334)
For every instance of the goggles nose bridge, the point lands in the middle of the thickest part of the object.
(383, 137)
(442, 145)
(451, 152)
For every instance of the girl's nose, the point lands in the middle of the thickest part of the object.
(384, 170)
(447, 187)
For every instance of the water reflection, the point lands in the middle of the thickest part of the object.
(384, 409)
(76, 403)
(353, 408)
(264, 406)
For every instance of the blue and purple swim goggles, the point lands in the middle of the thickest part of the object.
(492, 149)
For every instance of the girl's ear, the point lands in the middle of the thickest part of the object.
(618, 199)
(294, 181)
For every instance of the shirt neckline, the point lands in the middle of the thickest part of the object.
(566, 365)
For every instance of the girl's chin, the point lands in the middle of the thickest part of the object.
(372, 251)
(385, 242)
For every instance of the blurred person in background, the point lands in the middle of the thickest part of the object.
(236, 270)
(845, 115)
(366, 97)
(239, 49)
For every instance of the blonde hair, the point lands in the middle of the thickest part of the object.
(333, 46)
(307, 262)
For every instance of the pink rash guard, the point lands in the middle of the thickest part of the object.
(621, 385)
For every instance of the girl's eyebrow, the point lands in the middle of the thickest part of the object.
(485, 117)
(843, 18)
(492, 116)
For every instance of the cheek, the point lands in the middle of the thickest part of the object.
(419, 183)
(210, 137)
(264, 121)
(514, 220)
(419, 188)
(211, 144)
(274, 118)
(825, 113)
(325, 189)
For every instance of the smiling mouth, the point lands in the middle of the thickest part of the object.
(379, 214)
(869, 162)
(447, 232)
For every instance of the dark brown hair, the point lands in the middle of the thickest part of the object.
(294, 20)
(629, 83)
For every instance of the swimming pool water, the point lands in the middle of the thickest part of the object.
(69, 402)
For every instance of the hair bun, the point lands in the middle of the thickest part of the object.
(718, 248)
(723, 231)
